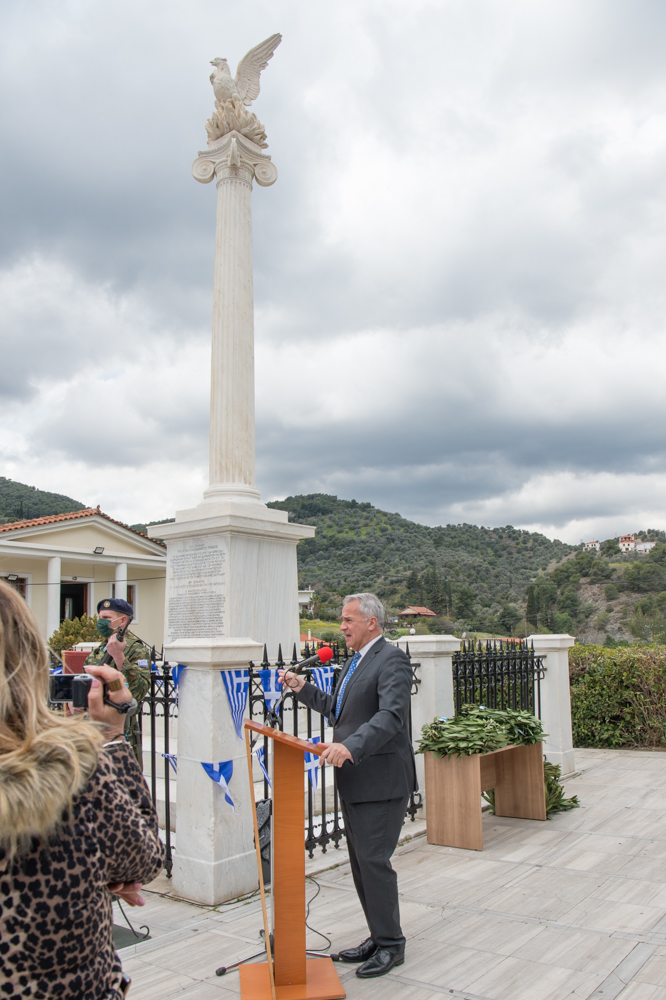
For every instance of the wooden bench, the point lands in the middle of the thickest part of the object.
(454, 786)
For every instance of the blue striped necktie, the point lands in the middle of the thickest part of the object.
(352, 667)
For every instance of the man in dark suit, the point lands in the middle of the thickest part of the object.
(369, 712)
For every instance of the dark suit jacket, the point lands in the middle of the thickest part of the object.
(373, 724)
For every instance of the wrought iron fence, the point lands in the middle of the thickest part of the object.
(324, 817)
(159, 708)
(499, 675)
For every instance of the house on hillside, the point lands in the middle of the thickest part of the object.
(417, 612)
(644, 546)
(65, 563)
(628, 543)
(306, 600)
(592, 547)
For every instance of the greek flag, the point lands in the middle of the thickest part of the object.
(271, 687)
(221, 773)
(261, 757)
(173, 760)
(323, 678)
(56, 670)
(237, 683)
(312, 764)
(176, 672)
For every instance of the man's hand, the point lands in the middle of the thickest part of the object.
(128, 891)
(292, 680)
(117, 650)
(335, 754)
(98, 711)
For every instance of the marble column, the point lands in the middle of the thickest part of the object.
(53, 572)
(556, 699)
(121, 581)
(231, 580)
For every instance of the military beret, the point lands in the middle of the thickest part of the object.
(115, 604)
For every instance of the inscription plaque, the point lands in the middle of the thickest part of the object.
(196, 569)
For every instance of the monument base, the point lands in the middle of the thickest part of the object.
(231, 571)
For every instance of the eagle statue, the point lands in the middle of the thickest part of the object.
(244, 87)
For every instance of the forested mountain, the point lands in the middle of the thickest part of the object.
(19, 502)
(460, 571)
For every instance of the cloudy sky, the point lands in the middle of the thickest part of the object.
(459, 274)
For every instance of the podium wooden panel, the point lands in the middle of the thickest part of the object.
(454, 786)
(296, 976)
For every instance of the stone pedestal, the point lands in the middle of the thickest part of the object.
(231, 571)
(556, 699)
(215, 857)
(434, 697)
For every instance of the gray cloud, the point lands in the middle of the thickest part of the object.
(458, 275)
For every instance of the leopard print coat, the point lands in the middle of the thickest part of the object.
(55, 909)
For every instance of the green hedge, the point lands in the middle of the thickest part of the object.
(618, 696)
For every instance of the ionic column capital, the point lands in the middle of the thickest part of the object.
(234, 156)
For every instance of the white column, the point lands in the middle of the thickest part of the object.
(234, 161)
(53, 595)
(556, 699)
(121, 581)
(434, 697)
(215, 858)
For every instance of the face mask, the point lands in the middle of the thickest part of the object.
(104, 628)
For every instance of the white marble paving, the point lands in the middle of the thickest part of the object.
(571, 908)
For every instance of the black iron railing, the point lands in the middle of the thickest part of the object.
(498, 674)
(158, 709)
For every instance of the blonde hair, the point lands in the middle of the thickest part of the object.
(45, 758)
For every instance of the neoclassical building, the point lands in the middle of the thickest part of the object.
(65, 563)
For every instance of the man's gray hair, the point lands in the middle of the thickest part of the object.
(369, 605)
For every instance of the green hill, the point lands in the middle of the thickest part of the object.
(460, 571)
(18, 501)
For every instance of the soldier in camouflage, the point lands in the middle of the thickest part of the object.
(130, 656)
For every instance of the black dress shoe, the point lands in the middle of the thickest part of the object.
(359, 954)
(380, 963)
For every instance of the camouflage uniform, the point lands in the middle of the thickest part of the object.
(136, 670)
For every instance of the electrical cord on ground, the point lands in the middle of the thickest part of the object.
(307, 914)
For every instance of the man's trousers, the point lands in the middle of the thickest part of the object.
(373, 829)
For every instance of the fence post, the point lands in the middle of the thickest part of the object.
(435, 692)
(556, 699)
(214, 859)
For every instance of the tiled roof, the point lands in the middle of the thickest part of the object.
(71, 516)
(413, 610)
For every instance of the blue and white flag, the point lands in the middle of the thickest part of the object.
(323, 678)
(237, 683)
(176, 672)
(271, 687)
(261, 757)
(221, 773)
(312, 763)
(173, 760)
(57, 670)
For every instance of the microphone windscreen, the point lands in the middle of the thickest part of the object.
(325, 654)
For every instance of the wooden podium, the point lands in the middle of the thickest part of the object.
(296, 976)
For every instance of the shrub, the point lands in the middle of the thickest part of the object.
(611, 592)
(66, 636)
(645, 576)
(618, 696)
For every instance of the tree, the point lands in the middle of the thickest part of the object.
(465, 601)
(435, 598)
(532, 613)
(645, 576)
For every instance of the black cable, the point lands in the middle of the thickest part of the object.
(307, 914)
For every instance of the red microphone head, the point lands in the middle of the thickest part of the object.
(325, 654)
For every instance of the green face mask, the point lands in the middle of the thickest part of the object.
(104, 628)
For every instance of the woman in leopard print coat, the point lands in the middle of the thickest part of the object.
(75, 817)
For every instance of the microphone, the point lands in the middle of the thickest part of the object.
(322, 655)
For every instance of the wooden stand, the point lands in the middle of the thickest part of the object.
(296, 976)
(454, 786)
